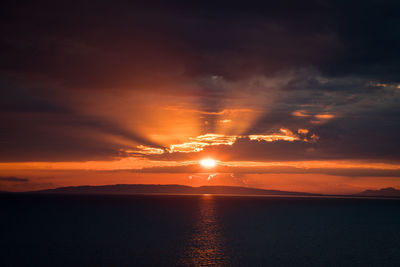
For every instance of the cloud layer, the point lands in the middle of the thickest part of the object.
(105, 80)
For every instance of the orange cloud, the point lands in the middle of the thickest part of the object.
(197, 144)
(318, 118)
(146, 150)
(286, 135)
(324, 116)
(302, 131)
(300, 113)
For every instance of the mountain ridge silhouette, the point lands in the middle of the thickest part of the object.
(383, 192)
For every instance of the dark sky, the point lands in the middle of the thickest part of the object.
(106, 80)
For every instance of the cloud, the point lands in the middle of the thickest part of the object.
(14, 179)
(199, 143)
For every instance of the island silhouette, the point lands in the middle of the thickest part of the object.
(176, 189)
(127, 189)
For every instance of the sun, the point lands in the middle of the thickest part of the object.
(208, 163)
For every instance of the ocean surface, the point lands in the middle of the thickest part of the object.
(204, 230)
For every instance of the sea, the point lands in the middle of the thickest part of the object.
(197, 230)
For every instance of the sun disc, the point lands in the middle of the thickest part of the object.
(208, 163)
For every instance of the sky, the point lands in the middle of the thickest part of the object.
(286, 95)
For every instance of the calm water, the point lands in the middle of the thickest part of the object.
(197, 231)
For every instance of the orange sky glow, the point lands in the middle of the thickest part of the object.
(175, 131)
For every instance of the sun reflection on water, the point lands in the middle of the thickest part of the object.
(205, 247)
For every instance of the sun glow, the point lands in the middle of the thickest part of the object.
(208, 163)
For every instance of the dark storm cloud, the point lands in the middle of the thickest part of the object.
(42, 125)
(107, 44)
(334, 55)
(224, 39)
(370, 32)
(60, 137)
